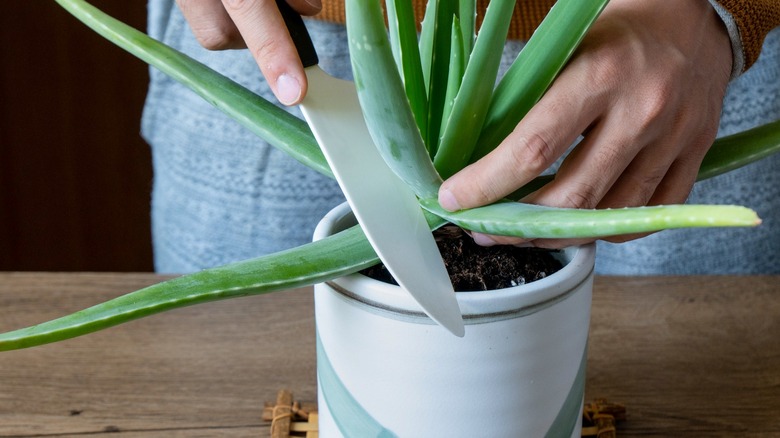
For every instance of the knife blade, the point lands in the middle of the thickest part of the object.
(384, 206)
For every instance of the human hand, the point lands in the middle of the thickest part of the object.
(645, 89)
(258, 26)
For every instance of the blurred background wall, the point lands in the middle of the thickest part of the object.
(75, 174)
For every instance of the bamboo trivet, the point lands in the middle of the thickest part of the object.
(291, 418)
(599, 418)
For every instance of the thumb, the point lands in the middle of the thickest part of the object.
(512, 164)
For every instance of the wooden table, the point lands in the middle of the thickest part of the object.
(688, 356)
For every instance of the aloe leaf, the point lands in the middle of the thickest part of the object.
(335, 256)
(440, 62)
(265, 119)
(471, 104)
(403, 40)
(468, 18)
(394, 33)
(535, 68)
(426, 40)
(737, 150)
(536, 221)
(456, 69)
(382, 97)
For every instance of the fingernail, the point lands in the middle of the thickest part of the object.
(288, 89)
(483, 239)
(447, 200)
(317, 4)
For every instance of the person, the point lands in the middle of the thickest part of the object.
(651, 86)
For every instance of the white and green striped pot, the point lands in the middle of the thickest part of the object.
(385, 369)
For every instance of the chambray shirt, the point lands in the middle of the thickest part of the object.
(221, 194)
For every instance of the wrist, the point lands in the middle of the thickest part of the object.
(737, 52)
(693, 28)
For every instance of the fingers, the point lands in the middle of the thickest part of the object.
(266, 37)
(257, 25)
(633, 189)
(661, 171)
(591, 169)
(211, 24)
(533, 147)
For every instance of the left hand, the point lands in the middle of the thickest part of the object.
(645, 89)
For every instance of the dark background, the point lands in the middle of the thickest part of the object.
(75, 174)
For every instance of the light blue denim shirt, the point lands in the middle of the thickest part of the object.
(221, 194)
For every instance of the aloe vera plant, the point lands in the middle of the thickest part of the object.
(431, 111)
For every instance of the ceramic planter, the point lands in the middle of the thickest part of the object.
(385, 369)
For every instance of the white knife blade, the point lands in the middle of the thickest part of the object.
(385, 207)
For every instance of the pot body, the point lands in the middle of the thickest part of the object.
(385, 369)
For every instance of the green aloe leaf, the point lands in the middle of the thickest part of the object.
(382, 96)
(335, 256)
(468, 19)
(471, 103)
(456, 69)
(278, 127)
(425, 43)
(535, 68)
(403, 40)
(536, 221)
(440, 62)
(737, 150)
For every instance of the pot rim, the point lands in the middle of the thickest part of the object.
(509, 302)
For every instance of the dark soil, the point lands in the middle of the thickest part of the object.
(475, 268)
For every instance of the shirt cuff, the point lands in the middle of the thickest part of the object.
(737, 53)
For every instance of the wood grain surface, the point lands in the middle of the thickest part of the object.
(688, 356)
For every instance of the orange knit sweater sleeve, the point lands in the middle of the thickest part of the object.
(754, 19)
(527, 16)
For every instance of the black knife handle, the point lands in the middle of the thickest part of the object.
(299, 34)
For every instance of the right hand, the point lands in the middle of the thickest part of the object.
(258, 26)
(645, 89)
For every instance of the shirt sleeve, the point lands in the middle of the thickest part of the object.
(748, 22)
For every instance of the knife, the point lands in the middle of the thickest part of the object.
(384, 206)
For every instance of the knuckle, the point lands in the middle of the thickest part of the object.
(485, 193)
(265, 50)
(651, 180)
(609, 155)
(535, 153)
(655, 105)
(306, 7)
(212, 28)
(643, 190)
(606, 71)
(236, 5)
(217, 37)
(658, 101)
(585, 196)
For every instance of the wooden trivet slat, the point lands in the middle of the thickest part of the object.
(291, 418)
(295, 419)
